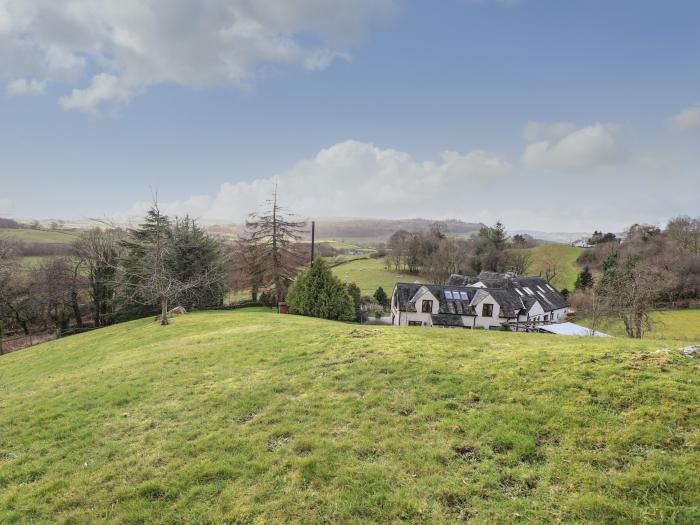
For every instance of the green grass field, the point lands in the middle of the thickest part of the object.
(565, 256)
(678, 325)
(39, 236)
(251, 417)
(369, 274)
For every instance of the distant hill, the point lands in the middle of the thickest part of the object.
(367, 231)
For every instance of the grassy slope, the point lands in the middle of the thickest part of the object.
(566, 255)
(369, 274)
(250, 417)
(39, 236)
(679, 325)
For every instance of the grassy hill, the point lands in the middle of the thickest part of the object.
(678, 325)
(565, 257)
(252, 417)
(369, 274)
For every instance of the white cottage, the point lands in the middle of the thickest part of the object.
(488, 301)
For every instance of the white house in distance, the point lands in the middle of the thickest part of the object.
(581, 243)
(487, 301)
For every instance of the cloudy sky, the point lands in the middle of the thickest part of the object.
(548, 115)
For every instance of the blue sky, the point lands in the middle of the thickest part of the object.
(385, 108)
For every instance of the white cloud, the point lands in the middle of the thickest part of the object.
(22, 86)
(132, 44)
(687, 120)
(564, 147)
(103, 88)
(354, 178)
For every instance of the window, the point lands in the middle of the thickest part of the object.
(464, 296)
(546, 317)
(415, 323)
(519, 292)
(448, 294)
(487, 310)
(427, 307)
(528, 290)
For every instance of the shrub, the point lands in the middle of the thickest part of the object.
(318, 293)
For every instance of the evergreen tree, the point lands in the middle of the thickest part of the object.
(381, 297)
(356, 295)
(584, 280)
(275, 236)
(318, 293)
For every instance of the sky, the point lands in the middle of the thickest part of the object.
(547, 115)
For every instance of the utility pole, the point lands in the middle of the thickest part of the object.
(313, 240)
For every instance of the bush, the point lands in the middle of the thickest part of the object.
(381, 297)
(318, 293)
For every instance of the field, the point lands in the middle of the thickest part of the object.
(369, 274)
(565, 257)
(252, 417)
(679, 325)
(39, 236)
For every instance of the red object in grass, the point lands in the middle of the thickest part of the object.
(283, 309)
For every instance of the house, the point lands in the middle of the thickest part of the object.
(488, 301)
(581, 243)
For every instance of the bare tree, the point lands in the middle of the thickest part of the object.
(99, 251)
(149, 277)
(519, 261)
(249, 264)
(548, 262)
(275, 234)
(630, 288)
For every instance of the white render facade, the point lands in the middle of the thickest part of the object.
(487, 303)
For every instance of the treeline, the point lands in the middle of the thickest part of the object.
(626, 279)
(436, 255)
(112, 274)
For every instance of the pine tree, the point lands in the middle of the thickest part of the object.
(584, 280)
(319, 293)
(381, 297)
(276, 235)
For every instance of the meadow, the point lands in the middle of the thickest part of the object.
(39, 236)
(565, 257)
(678, 325)
(253, 417)
(369, 274)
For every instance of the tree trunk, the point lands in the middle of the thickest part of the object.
(164, 311)
(76, 309)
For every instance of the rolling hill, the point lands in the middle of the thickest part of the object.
(252, 417)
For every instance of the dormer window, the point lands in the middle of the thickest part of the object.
(427, 307)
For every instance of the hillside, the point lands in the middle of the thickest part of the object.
(564, 257)
(251, 417)
(39, 236)
(369, 274)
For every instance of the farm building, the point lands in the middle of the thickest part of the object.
(490, 300)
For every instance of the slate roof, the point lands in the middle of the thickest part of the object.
(405, 292)
(514, 293)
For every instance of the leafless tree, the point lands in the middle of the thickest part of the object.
(275, 235)
(249, 264)
(630, 292)
(148, 277)
(519, 261)
(99, 251)
(548, 262)
(685, 233)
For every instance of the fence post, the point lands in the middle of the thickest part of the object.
(2, 333)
